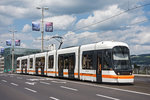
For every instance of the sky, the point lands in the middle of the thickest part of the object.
(78, 22)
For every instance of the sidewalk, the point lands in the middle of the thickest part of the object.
(142, 75)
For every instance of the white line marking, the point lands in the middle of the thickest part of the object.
(30, 90)
(19, 77)
(53, 98)
(107, 97)
(130, 91)
(39, 79)
(30, 83)
(58, 82)
(69, 88)
(14, 84)
(45, 83)
(4, 80)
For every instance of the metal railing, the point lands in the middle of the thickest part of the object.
(142, 70)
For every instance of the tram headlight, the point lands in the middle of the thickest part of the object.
(118, 73)
(130, 73)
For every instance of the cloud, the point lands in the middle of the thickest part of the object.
(73, 14)
(27, 8)
(97, 20)
(26, 28)
(18, 12)
(63, 22)
(82, 6)
(5, 20)
(1, 47)
(142, 37)
(23, 45)
(26, 39)
(73, 39)
(136, 37)
(139, 49)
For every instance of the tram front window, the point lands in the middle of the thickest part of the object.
(121, 58)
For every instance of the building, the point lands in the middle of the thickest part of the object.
(1, 64)
(17, 53)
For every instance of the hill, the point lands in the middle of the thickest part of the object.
(143, 59)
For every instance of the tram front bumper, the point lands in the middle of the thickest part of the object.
(118, 78)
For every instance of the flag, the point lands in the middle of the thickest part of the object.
(49, 27)
(35, 26)
(17, 42)
(2, 51)
(8, 42)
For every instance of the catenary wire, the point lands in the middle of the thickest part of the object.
(112, 16)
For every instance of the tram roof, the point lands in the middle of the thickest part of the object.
(104, 45)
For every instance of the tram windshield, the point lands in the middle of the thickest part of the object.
(121, 58)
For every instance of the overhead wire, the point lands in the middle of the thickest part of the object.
(124, 26)
(112, 16)
(129, 9)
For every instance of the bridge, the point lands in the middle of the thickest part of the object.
(23, 87)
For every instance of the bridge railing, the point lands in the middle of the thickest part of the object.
(142, 70)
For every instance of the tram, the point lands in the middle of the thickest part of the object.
(105, 61)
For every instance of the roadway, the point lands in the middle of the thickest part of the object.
(23, 87)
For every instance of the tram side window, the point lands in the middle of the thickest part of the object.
(107, 64)
(40, 62)
(87, 60)
(31, 62)
(66, 61)
(18, 63)
(60, 61)
(50, 61)
(71, 61)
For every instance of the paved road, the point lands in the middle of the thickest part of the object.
(27, 87)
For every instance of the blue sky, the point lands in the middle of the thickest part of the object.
(70, 15)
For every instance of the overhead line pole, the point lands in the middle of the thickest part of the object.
(42, 31)
(13, 32)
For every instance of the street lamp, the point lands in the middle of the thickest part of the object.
(42, 31)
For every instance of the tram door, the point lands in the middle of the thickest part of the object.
(60, 71)
(42, 70)
(25, 69)
(71, 72)
(24, 66)
(99, 67)
(21, 69)
(36, 70)
(40, 63)
(60, 66)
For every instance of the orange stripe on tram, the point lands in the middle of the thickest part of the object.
(75, 73)
(65, 73)
(50, 72)
(118, 76)
(18, 70)
(30, 71)
(84, 74)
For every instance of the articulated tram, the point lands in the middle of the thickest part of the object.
(106, 61)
